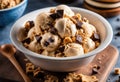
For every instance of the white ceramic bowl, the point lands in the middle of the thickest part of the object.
(66, 63)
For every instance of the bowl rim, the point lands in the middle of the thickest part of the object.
(7, 9)
(102, 46)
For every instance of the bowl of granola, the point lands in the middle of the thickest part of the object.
(10, 10)
(61, 38)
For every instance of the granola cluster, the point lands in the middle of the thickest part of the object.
(45, 76)
(72, 77)
(117, 71)
(8, 3)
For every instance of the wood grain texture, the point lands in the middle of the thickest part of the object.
(104, 12)
(109, 1)
(105, 60)
(102, 5)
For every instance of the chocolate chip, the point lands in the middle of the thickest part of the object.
(29, 24)
(61, 48)
(79, 39)
(38, 38)
(56, 51)
(57, 15)
(50, 24)
(78, 24)
(51, 40)
(53, 31)
(60, 13)
(54, 16)
(41, 50)
(27, 40)
(117, 34)
(94, 71)
(46, 43)
(96, 36)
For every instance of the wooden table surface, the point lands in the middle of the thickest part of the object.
(105, 60)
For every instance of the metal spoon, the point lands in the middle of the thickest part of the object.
(8, 51)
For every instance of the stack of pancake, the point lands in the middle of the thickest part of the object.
(106, 8)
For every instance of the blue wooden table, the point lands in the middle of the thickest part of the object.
(37, 4)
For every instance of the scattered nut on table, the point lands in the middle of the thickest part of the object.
(117, 71)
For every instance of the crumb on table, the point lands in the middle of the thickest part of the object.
(117, 71)
(38, 73)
